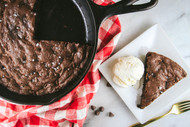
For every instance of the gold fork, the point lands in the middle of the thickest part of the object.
(177, 108)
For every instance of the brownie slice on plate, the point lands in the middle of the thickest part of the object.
(160, 74)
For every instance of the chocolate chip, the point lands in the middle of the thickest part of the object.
(46, 65)
(24, 19)
(55, 69)
(15, 14)
(97, 112)
(37, 44)
(24, 61)
(17, 27)
(101, 109)
(6, 5)
(53, 63)
(33, 80)
(111, 114)
(3, 67)
(160, 88)
(93, 107)
(33, 73)
(177, 79)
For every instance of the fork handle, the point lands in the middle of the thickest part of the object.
(150, 121)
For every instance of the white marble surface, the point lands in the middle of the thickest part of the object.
(174, 17)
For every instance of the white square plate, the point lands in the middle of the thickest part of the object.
(154, 39)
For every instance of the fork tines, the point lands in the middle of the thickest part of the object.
(184, 106)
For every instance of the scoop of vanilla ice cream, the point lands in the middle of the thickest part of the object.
(127, 71)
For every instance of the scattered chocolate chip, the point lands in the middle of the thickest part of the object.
(97, 112)
(32, 73)
(93, 107)
(33, 80)
(37, 44)
(55, 69)
(6, 5)
(53, 63)
(24, 19)
(160, 88)
(24, 61)
(108, 84)
(15, 14)
(46, 65)
(3, 67)
(17, 27)
(111, 114)
(101, 109)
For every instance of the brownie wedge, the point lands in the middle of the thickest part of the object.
(161, 73)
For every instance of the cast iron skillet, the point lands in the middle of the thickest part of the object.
(83, 19)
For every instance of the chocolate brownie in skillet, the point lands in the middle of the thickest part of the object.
(29, 66)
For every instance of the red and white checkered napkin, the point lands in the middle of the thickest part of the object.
(71, 110)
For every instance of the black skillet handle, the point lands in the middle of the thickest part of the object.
(121, 7)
